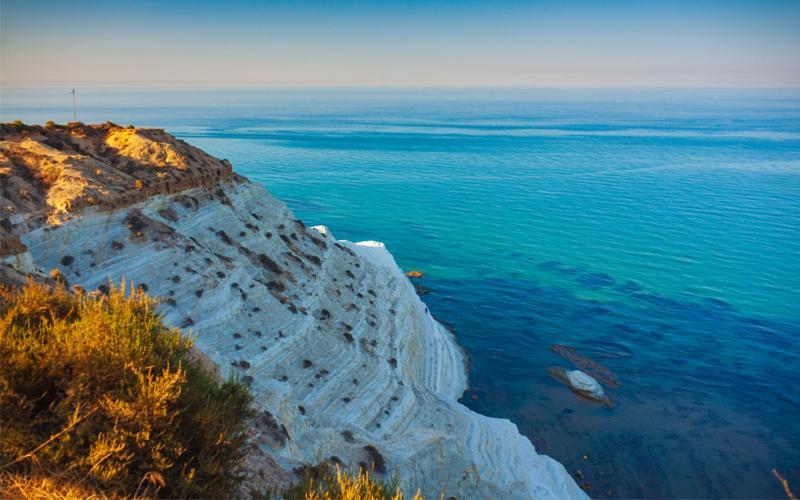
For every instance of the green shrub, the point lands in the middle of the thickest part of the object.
(96, 394)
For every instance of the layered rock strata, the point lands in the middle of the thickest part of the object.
(345, 361)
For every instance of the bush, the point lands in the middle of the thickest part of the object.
(97, 395)
(322, 483)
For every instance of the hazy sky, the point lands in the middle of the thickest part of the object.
(401, 43)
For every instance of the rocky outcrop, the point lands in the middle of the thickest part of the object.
(345, 361)
(10, 245)
(57, 170)
(16, 264)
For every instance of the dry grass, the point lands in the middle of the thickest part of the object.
(325, 484)
(45, 488)
(99, 398)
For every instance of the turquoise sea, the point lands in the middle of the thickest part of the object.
(656, 231)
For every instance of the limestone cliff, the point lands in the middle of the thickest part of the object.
(345, 361)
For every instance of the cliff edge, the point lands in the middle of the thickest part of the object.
(345, 361)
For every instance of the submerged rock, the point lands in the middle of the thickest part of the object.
(421, 290)
(582, 384)
(599, 372)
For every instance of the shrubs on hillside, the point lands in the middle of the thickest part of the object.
(97, 396)
(323, 483)
(99, 399)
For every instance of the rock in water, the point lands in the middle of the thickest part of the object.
(582, 384)
(585, 384)
(601, 373)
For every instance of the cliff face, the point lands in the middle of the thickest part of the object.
(344, 359)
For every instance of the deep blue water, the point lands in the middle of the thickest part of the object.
(656, 231)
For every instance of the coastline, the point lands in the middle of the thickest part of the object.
(340, 352)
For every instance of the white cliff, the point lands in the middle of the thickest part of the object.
(343, 358)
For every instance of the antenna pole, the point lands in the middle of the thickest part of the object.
(74, 107)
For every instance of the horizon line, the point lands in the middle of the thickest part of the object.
(257, 86)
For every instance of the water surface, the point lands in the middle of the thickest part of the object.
(656, 231)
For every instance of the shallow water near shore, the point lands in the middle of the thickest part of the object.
(658, 232)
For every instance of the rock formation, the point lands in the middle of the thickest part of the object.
(582, 384)
(342, 356)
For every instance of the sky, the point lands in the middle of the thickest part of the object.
(559, 43)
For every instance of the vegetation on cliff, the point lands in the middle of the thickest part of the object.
(99, 399)
(322, 482)
(97, 396)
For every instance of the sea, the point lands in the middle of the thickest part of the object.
(654, 231)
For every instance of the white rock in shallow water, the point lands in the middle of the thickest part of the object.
(585, 383)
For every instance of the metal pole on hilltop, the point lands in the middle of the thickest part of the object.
(74, 107)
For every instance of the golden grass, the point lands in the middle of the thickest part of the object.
(98, 397)
(326, 484)
(45, 488)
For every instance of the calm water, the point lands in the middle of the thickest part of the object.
(657, 232)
